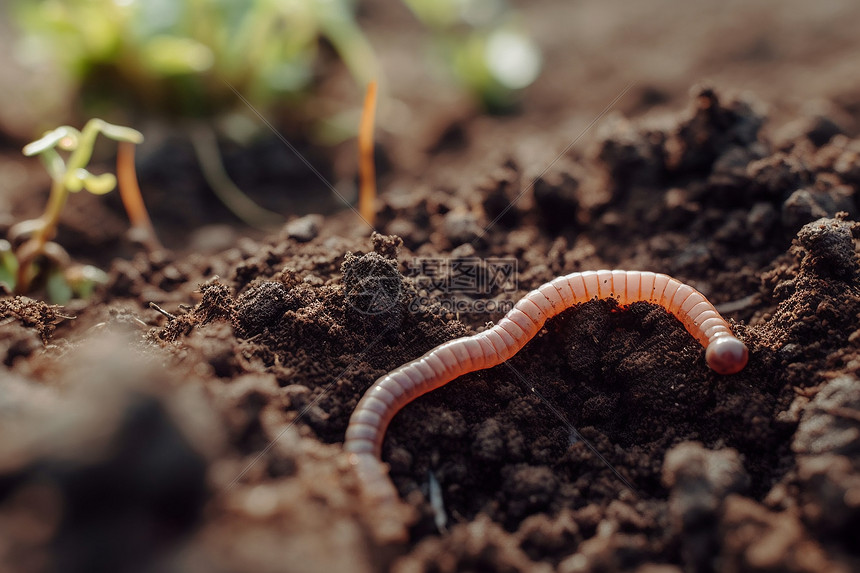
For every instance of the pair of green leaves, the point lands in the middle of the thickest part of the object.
(72, 174)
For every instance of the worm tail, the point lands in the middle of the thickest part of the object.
(387, 516)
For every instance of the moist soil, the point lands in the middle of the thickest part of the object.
(208, 437)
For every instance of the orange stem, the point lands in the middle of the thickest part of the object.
(367, 171)
(132, 199)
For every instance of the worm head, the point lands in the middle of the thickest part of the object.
(726, 355)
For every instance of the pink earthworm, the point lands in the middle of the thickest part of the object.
(724, 353)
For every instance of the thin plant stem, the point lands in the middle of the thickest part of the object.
(132, 200)
(82, 154)
(36, 245)
(367, 170)
(51, 216)
(206, 148)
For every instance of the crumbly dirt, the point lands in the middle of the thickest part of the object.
(209, 437)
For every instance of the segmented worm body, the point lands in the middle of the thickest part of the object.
(724, 353)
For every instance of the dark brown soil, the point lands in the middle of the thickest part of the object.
(212, 440)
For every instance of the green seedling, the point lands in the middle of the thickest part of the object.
(37, 253)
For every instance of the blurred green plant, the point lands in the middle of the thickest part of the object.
(186, 57)
(37, 254)
(485, 46)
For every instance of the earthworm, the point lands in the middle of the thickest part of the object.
(724, 353)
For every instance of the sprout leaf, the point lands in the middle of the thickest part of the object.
(52, 139)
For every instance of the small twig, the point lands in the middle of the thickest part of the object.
(739, 304)
(157, 308)
(440, 517)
